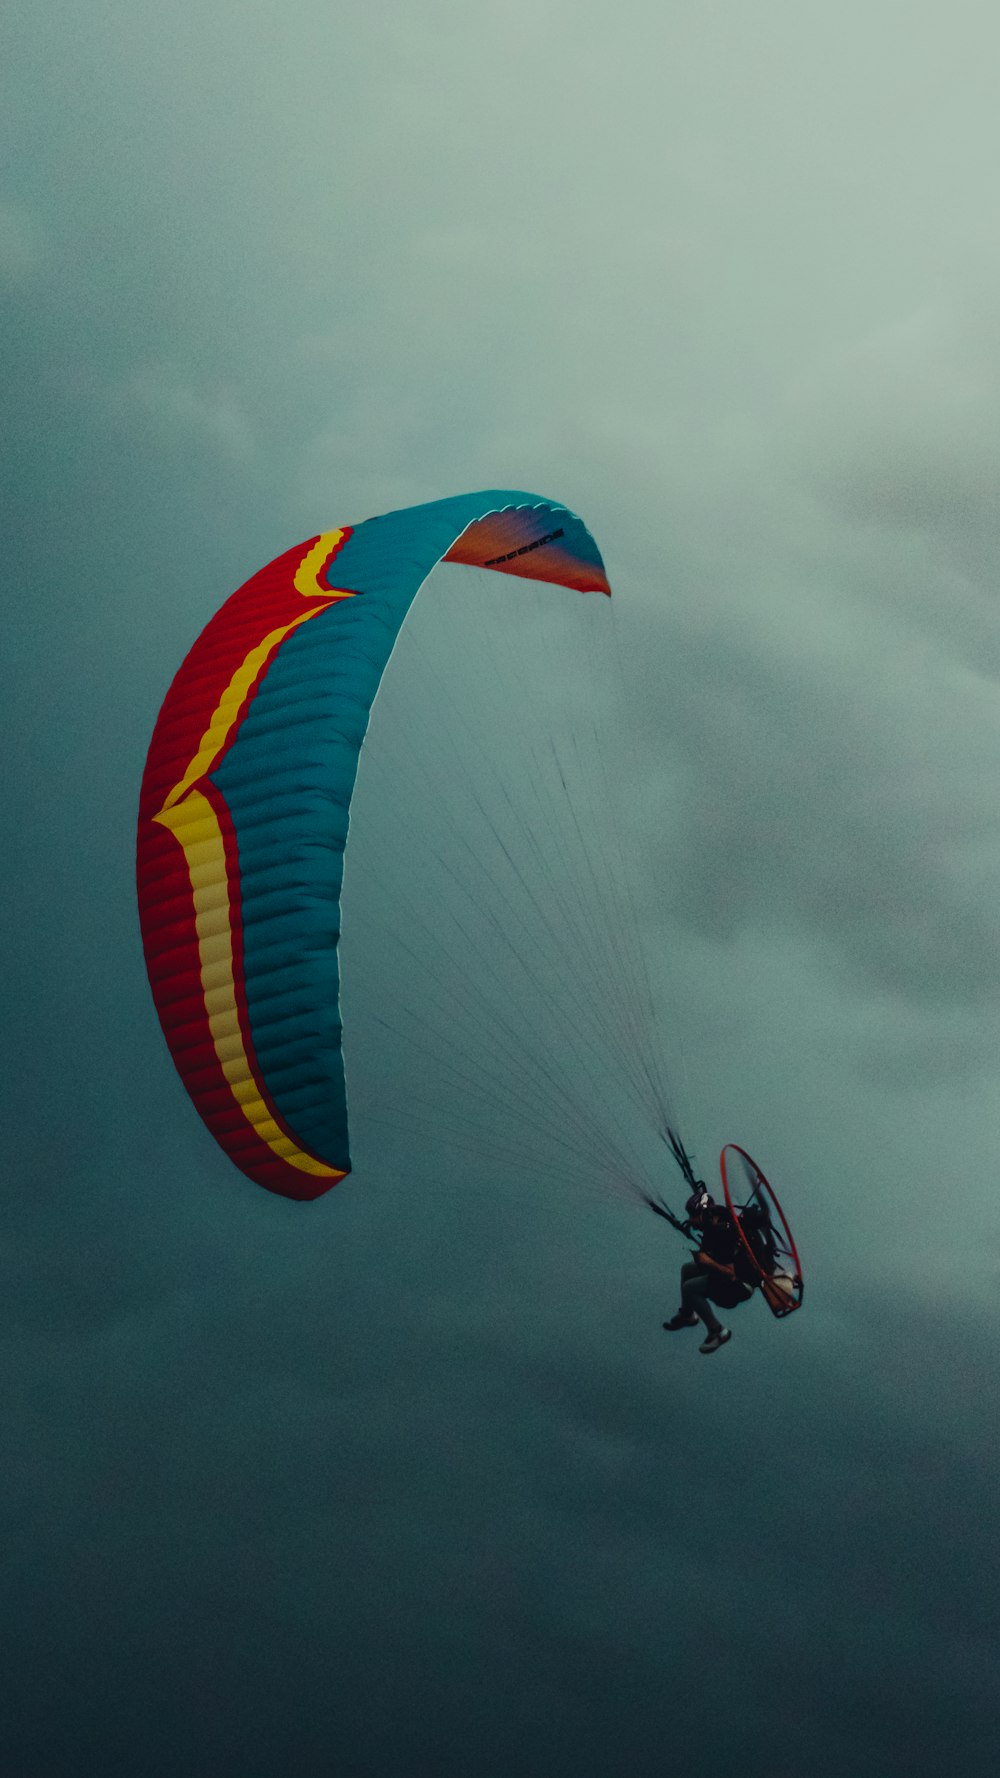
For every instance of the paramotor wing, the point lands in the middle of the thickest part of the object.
(245, 804)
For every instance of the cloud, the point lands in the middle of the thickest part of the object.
(23, 246)
(179, 410)
(814, 653)
(519, 1495)
(824, 767)
(901, 431)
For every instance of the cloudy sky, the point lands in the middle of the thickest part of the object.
(409, 1484)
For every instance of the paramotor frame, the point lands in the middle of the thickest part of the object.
(755, 1210)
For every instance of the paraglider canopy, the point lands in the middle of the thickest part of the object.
(244, 813)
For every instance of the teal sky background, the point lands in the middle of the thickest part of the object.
(410, 1483)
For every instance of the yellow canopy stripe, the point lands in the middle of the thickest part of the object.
(195, 825)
